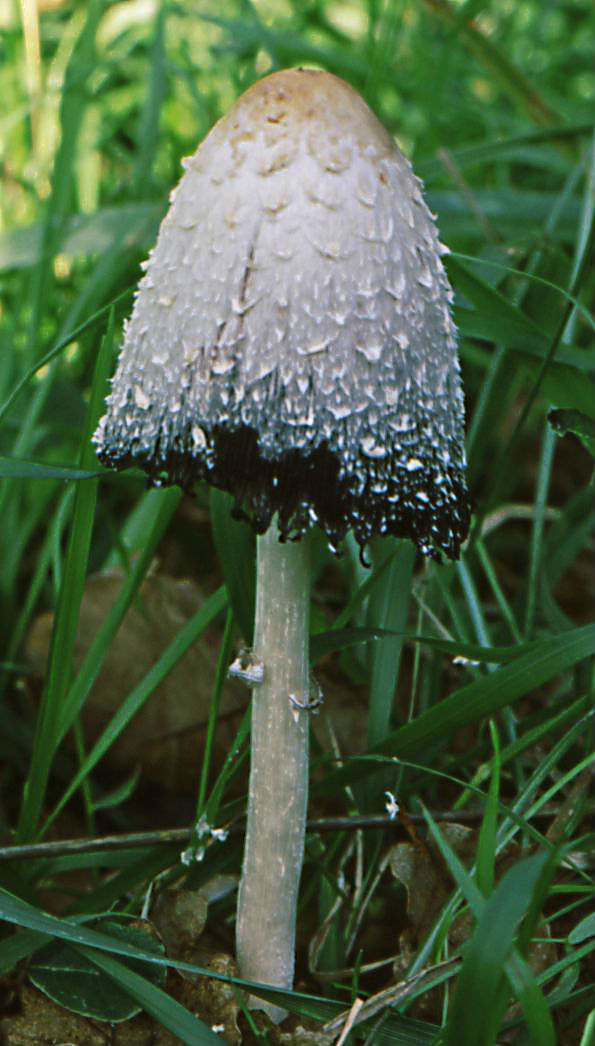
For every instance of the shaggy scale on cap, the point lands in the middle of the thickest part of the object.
(291, 340)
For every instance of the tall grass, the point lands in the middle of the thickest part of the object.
(477, 676)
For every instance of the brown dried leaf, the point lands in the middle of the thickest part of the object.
(168, 732)
(424, 875)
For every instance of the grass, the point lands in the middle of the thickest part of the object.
(465, 690)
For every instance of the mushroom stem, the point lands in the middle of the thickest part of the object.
(278, 794)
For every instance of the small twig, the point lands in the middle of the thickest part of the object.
(102, 844)
(180, 836)
(357, 1005)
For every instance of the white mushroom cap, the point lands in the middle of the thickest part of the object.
(291, 340)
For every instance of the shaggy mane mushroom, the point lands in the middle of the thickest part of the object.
(291, 342)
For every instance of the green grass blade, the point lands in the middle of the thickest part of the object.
(188, 635)
(52, 538)
(19, 946)
(536, 550)
(235, 551)
(61, 344)
(74, 101)
(149, 125)
(588, 1036)
(549, 765)
(534, 736)
(65, 626)
(323, 643)
(531, 278)
(459, 873)
(496, 61)
(473, 602)
(517, 972)
(480, 699)
(479, 1000)
(91, 666)
(533, 1004)
(133, 533)
(503, 604)
(157, 1003)
(501, 320)
(233, 762)
(363, 592)
(388, 609)
(486, 846)
(583, 271)
(220, 677)
(17, 468)
(20, 913)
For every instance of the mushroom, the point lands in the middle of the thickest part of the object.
(291, 342)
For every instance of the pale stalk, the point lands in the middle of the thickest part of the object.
(278, 792)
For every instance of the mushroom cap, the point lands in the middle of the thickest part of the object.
(291, 340)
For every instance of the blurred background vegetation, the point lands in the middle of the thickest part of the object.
(492, 100)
